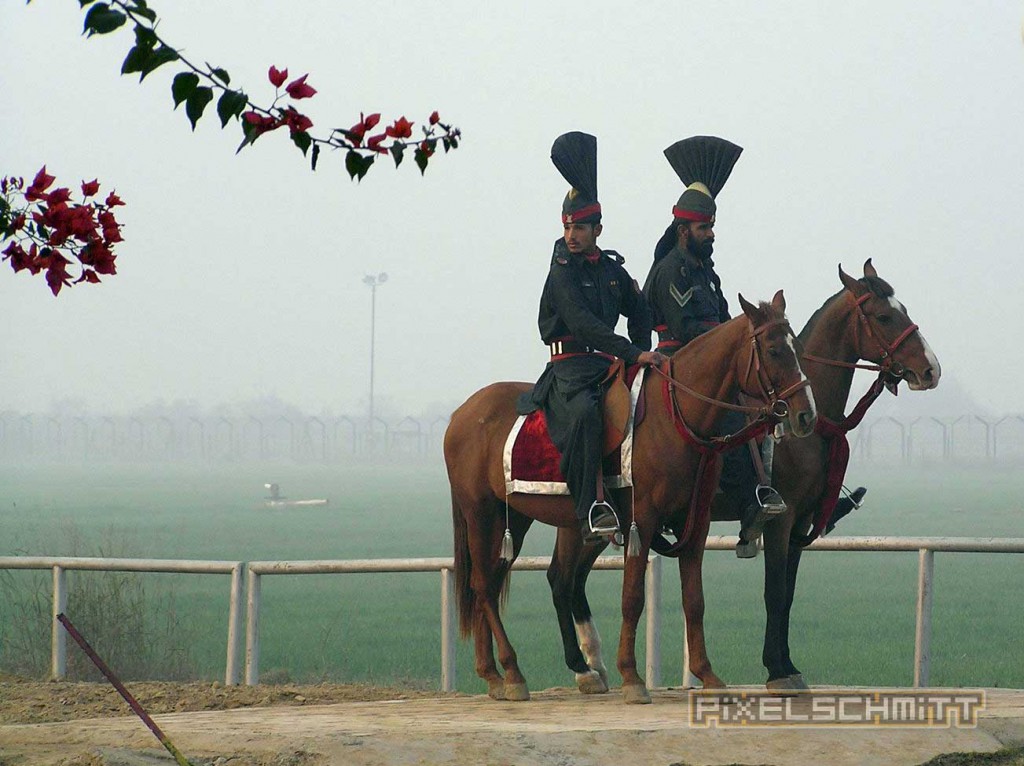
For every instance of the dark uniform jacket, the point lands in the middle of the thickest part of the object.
(685, 294)
(582, 302)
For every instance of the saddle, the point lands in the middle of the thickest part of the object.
(530, 459)
(616, 407)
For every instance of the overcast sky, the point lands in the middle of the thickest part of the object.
(889, 130)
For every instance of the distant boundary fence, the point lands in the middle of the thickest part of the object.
(335, 439)
(254, 571)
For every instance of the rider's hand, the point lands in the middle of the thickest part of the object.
(652, 358)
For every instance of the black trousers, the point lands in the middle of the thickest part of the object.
(571, 400)
(739, 477)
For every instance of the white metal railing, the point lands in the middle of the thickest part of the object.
(61, 564)
(926, 548)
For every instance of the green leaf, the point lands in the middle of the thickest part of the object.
(136, 59)
(144, 12)
(196, 103)
(101, 19)
(221, 74)
(83, 3)
(302, 140)
(357, 165)
(183, 86)
(162, 55)
(145, 36)
(316, 156)
(249, 131)
(398, 152)
(421, 160)
(230, 104)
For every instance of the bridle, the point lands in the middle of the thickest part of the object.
(888, 365)
(774, 404)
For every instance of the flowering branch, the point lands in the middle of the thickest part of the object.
(196, 87)
(58, 234)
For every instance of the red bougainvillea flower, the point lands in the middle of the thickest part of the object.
(113, 200)
(371, 121)
(374, 142)
(19, 222)
(434, 117)
(90, 188)
(111, 228)
(56, 270)
(58, 196)
(296, 122)
(261, 122)
(360, 129)
(298, 89)
(401, 129)
(88, 275)
(39, 185)
(277, 76)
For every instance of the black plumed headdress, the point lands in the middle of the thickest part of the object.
(703, 164)
(575, 156)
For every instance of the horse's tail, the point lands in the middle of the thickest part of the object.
(463, 570)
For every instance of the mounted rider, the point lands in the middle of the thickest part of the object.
(586, 291)
(686, 296)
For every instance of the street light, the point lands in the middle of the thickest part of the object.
(373, 282)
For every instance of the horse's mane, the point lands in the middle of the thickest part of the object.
(876, 285)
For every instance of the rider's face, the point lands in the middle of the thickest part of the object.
(581, 237)
(699, 238)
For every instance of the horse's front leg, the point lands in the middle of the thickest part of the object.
(692, 584)
(562, 576)
(780, 564)
(586, 628)
(634, 690)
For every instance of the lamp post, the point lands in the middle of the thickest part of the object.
(373, 282)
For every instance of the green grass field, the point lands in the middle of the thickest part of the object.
(853, 621)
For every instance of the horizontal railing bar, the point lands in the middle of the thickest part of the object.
(187, 566)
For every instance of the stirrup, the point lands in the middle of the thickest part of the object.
(607, 529)
(746, 549)
(856, 496)
(770, 501)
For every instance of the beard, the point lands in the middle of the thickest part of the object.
(702, 251)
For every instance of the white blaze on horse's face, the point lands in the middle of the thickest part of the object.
(807, 390)
(914, 383)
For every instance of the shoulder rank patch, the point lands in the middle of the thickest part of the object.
(614, 256)
(681, 299)
(561, 260)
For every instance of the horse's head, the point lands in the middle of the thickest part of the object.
(772, 371)
(883, 333)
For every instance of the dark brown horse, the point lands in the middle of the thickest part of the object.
(864, 321)
(753, 354)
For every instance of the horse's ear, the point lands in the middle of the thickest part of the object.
(779, 301)
(850, 283)
(869, 270)
(754, 314)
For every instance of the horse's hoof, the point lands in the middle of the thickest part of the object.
(714, 682)
(516, 692)
(636, 694)
(591, 682)
(797, 679)
(783, 687)
(496, 689)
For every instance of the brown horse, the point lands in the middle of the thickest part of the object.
(753, 354)
(864, 321)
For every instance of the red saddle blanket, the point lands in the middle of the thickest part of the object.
(531, 459)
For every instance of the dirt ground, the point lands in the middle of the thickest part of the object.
(84, 724)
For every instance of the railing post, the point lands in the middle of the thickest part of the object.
(252, 630)
(231, 671)
(652, 598)
(923, 634)
(58, 638)
(448, 637)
